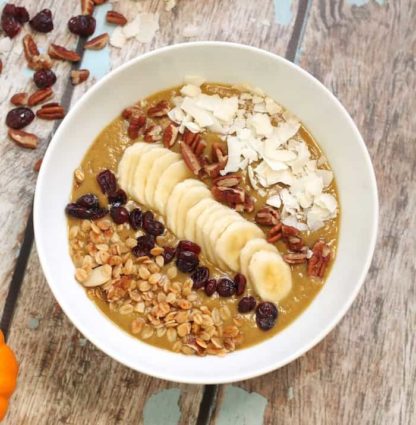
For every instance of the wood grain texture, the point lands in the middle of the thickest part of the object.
(17, 178)
(64, 379)
(364, 371)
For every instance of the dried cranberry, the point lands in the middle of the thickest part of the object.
(240, 283)
(119, 215)
(44, 78)
(10, 21)
(42, 21)
(10, 26)
(226, 287)
(144, 245)
(246, 304)
(82, 25)
(117, 198)
(189, 246)
(136, 217)
(78, 211)
(168, 254)
(155, 228)
(88, 200)
(107, 181)
(266, 315)
(200, 277)
(187, 261)
(21, 15)
(211, 287)
(148, 217)
(19, 117)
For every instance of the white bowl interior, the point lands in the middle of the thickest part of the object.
(322, 114)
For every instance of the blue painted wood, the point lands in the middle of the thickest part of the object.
(283, 11)
(162, 408)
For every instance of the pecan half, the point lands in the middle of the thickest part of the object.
(97, 43)
(19, 99)
(191, 160)
(295, 257)
(213, 170)
(153, 134)
(30, 48)
(218, 152)
(289, 231)
(275, 233)
(321, 255)
(115, 18)
(78, 76)
(199, 147)
(190, 138)
(160, 110)
(62, 53)
(230, 195)
(170, 135)
(51, 111)
(267, 216)
(23, 139)
(132, 110)
(294, 243)
(230, 180)
(39, 96)
(87, 7)
(37, 165)
(136, 123)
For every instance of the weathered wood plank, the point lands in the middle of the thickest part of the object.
(64, 379)
(17, 177)
(364, 371)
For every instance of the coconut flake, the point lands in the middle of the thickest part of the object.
(117, 38)
(190, 90)
(148, 25)
(5, 44)
(261, 124)
(274, 201)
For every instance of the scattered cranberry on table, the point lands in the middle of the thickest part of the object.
(42, 21)
(20, 117)
(44, 78)
(12, 19)
(82, 25)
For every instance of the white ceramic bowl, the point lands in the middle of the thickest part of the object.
(300, 93)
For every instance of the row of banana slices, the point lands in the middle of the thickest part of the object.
(160, 180)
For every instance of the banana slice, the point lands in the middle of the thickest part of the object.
(193, 215)
(172, 205)
(142, 173)
(217, 229)
(135, 160)
(270, 275)
(251, 247)
(232, 241)
(215, 209)
(126, 163)
(186, 202)
(160, 165)
(174, 174)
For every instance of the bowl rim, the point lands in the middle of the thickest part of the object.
(240, 375)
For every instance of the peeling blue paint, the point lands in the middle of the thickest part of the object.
(162, 408)
(363, 2)
(98, 61)
(283, 11)
(241, 407)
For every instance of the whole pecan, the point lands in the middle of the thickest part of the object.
(34, 59)
(39, 96)
(321, 255)
(23, 139)
(267, 216)
(230, 180)
(191, 160)
(78, 76)
(170, 135)
(97, 43)
(51, 111)
(62, 53)
(115, 18)
(159, 110)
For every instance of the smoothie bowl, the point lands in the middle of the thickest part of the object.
(206, 213)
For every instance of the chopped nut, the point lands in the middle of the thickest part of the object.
(97, 43)
(62, 53)
(79, 176)
(78, 76)
(115, 18)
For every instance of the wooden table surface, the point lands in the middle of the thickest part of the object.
(364, 372)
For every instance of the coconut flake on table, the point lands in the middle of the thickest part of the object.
(5, 44)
